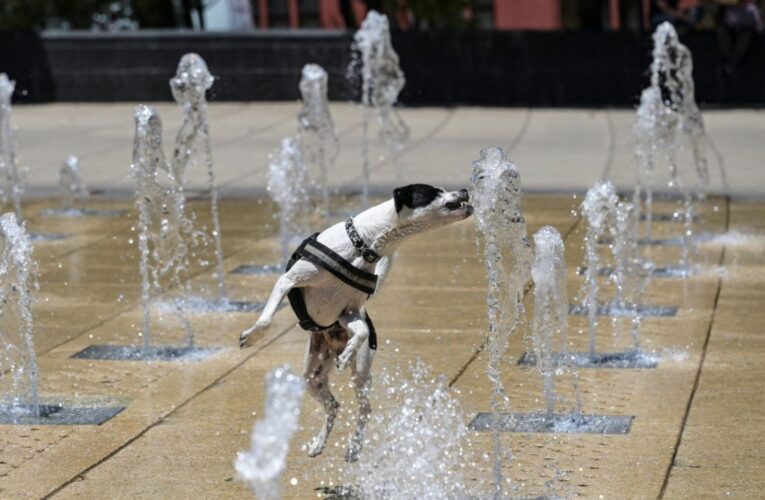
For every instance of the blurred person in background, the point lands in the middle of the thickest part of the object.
(736, 23)
(669, 11)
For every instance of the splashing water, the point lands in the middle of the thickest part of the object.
(189, 85)
(287, 186)
(318, 137)
(382, 81)
(18, 277)
(415, 449)
(668, 109)
(11, 177)
(631, 274)
(598, 208)
(605, 214)
(550, 326)
(496, 195)
(262, 465)
(71, 186)
(164, 230)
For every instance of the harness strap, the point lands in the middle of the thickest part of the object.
(313, 251)
(340, 268)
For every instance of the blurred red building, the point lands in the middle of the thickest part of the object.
(491, 14)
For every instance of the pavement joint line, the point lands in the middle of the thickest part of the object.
(528, 288)
(381, 164)
(254, 132)
(522, 132)
(164, 417)
(137, 303)
(378, 166)
(611, 146)
(259, 170)
(697, 378)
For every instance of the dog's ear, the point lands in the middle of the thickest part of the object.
(402, 196)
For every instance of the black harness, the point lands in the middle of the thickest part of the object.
(313, 251)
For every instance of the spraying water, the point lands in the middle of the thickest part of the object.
(163, 227)
(18, 277)
(11, 177)
(550, 326)
(598, 208)
(416, 445)
(189, 86)
(316, 129)
(287, 186)
(382, 81)
(262, 465)
(71, 186)
(496, 195)
(667, 114)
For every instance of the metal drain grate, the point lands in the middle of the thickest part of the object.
(657, 272)
(213, 306)
(140, 353)
(54, 414)
(259, 270)
(84, 212)
(48, 236)
(635, 360)
(617, 311)
(557, 423)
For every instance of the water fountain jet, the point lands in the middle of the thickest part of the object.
(74, 194)
(11, 176)
(262, 465)
(381, 82)
(668, 117)
(496, 196)
(20, 402)
(549, 353)
(165, 236)
(189, 87)
(606, 215)
(288, 187)
(316, 130)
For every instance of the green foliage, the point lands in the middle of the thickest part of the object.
(433, 14)
(39, 14)
(78, 14)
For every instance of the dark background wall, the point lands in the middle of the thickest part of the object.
(492, 68)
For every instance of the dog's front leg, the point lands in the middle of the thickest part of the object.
(356, 324)
(283, 285)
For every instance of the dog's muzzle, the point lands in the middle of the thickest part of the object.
(464, 198)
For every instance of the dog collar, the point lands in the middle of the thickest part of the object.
(369, 255)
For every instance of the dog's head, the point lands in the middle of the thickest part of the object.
(431, 207)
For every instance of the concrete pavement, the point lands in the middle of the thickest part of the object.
(560, 151)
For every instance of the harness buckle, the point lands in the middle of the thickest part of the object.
(370, 255)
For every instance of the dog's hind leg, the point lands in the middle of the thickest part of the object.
(318, 363)
(362, 384)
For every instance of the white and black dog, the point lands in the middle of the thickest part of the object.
(332, 275)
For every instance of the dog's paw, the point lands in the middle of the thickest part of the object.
(316, 446)
(250, 335)
(353, 452)
(344, 360)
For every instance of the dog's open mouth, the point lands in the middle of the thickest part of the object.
(461, 206)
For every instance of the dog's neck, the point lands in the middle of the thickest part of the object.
(382, 229)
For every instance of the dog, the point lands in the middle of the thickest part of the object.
(325, 291)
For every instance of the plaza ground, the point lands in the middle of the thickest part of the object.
(698, 416)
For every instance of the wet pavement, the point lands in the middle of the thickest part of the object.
(694, 412)
(697, 415)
